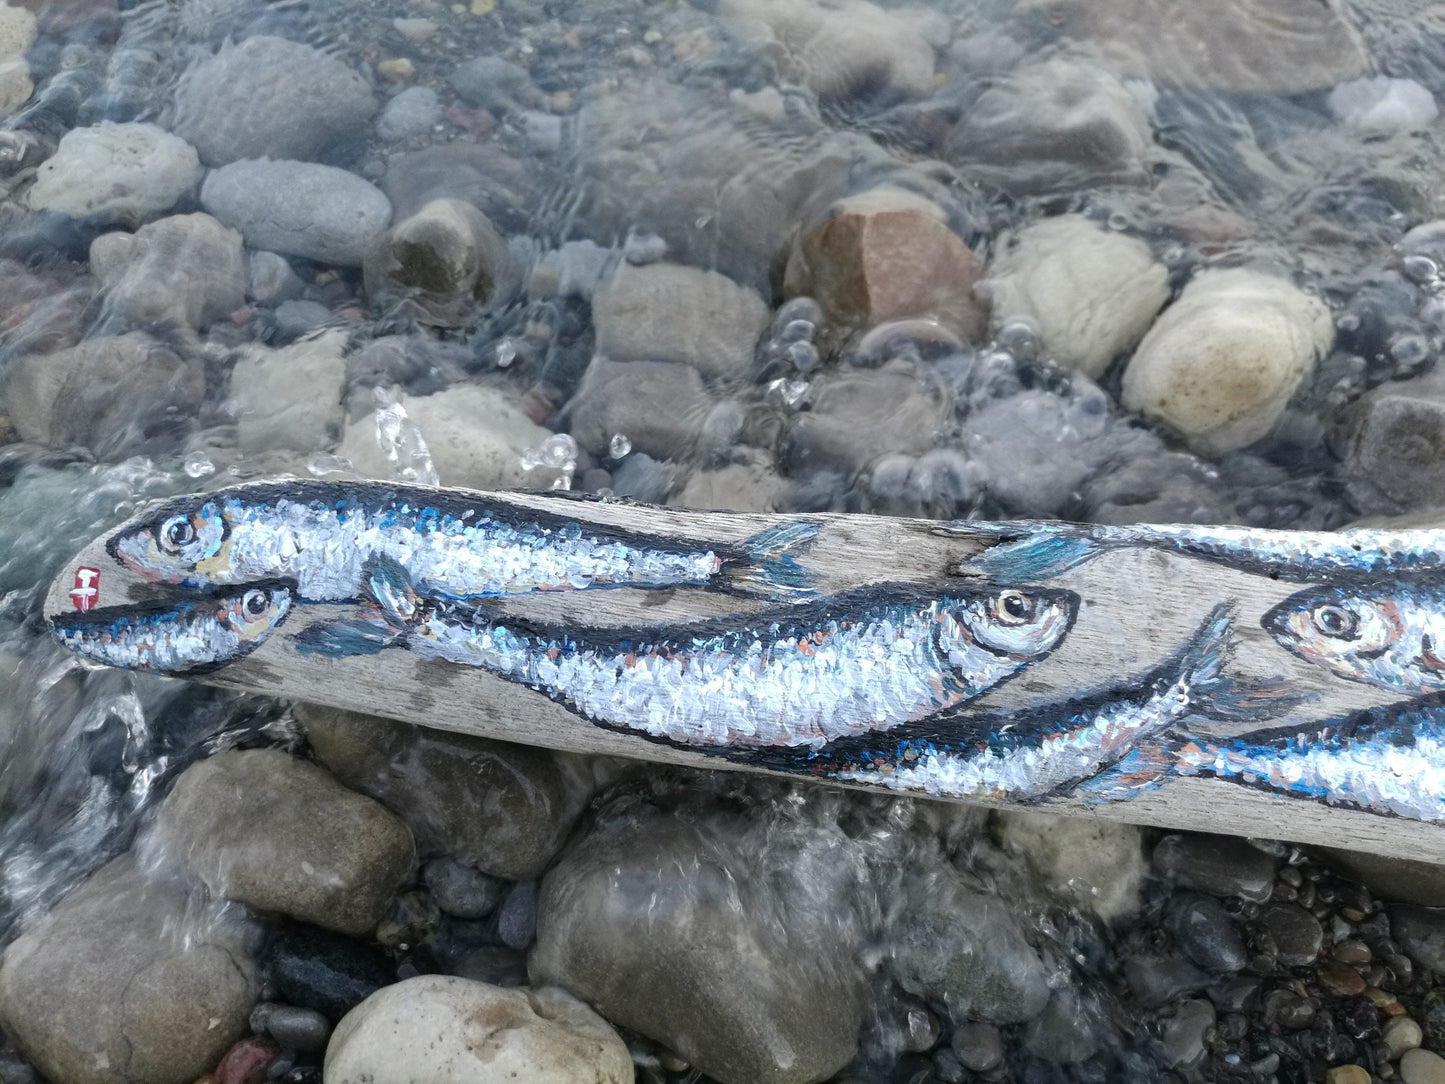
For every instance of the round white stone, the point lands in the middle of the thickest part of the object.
(134, 169)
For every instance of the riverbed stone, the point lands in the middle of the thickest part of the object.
(1219, 865)
(886, 255)
(1393, 443)
(476, 436)
(298, 208)
(1219, 366)
(277, 833)
(1421, 933)
(858, 415)
(450, 1030)
(268, 97)
(290, 397)
(1060, 124)
(186, 270)
(68, 398)
(1090, 292)
(1101, 864)
(504, 808)
(411, 113)
(128, 980)
(131, 171)
(660, 406)
(727, 932)
(667, 312)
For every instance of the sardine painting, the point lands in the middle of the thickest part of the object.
(1266, 682)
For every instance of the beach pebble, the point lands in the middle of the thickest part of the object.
(844, 47)
(132, 171)
(247, 1062)
(1379, 104)
(1219, 865)
(1064, 1032)
(68, 398)
(270, 278)
(298, 208)
(1422, 1067)
(881, 256)
(1155, 981)
(279, 834)
(1090, 292)
(186, 270)
(411, 113)
(1059, 124)
(858, 415)
(295, 1028)
(1347, 1074)
(323, 972)
(462, 890)
(129, 978)
(290, 397)
(268, 97)
(666, 312)
(495, 84)
(1421, 933)
(1401, 1034)
(16, 85)
(1206, 934)
(1220, 364)
(476, 437)
(484, 175)
(1393, 443)
(979, 1047)
(17, 30)
(503, 808)
(1100, 863)
(1296, 933)
(449, 1030)
(729, 936)
(660, 406)
(1184, 1034)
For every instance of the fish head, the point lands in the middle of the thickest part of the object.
(1020, 621)
(182, 542)
(252, 614)
(1345, 629)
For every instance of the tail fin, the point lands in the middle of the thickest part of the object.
(1223, 698)
(1139, 770)
(767, 564)
(388, 613)
(1025, 552)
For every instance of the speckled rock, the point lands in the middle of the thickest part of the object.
(128, 980)
(449, 1030)
(290, 397)
(844, 47)
(476, 437)
(886, 255)
(269, 98)
(1246, 46)
(411, 113)
(448, 258)
(1090, 292)
(1101, 863)
(504, 808)
(298, 208)
(666, 312)
(279, 834)
(186, 270)
(68, 398)
(727, 932)
(133, 171)
(16, 86)
(1057, 125)
(17, 30)
(1220, 364)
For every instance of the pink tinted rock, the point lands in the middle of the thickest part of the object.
(247, 1062)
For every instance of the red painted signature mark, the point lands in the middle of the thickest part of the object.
(86, 589)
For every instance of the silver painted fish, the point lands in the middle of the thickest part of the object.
(1391, 635)
(1385, 760)
(806, 674)
(1040, 551)
(1025, 758)
(178, 637)
(321, 534)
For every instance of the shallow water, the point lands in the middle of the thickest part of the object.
(643, 283)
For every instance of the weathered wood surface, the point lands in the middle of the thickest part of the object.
(1139, 606)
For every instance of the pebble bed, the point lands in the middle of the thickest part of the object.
(1105, 260)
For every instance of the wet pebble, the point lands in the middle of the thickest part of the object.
(1157, 980)
(1431, 1015)
(315, 969)
(1184, 1034)
(496, 84)
(1339, 979)
(1219, 865)
(1422, 1067)
(461, 889)
(1380, 104)
(411, 113)
(517, 917)
(132, 171)
(294, 1028)
(1347, 1074)
(298, 208)
(1296, 934)
(1401, 1034)
(248, 1062)
(979, 1047)
(1420, 932)
(182, 270)
(1206, 933)
(1288, 1010)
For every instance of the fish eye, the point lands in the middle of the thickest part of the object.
(255, 603)
(1014, 607)
(176, 532)
(1336, 621)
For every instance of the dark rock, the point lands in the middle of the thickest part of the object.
(1297, 934)
(1339, 979)
(1219, 865)
(1206, 933)
(1183, 1035)
(1065, 1032)
(304, 1030)
(269, 98)
(461, 889)
(1432, 1019)
(517, 918)
(1288, 1010)
(1157, 980)
(1421, 933)
(639, 477)
(495, 964)
(316, 969)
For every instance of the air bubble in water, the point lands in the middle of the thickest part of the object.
(1020, 338)
(559, 453)
(1420, 270)
(1409, 351)
(198, 466)
(401, 442)
(506, 353)
(1118, 221)
(797, 331)
(788, 393)
(619, 446)
(804, 356)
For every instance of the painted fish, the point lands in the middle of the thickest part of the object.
(1387, 634)
(321, 534)
(1025, 758)
(1385, 760)
(178, 637)
(858, 661)
(1040, 551)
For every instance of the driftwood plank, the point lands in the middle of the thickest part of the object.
(1137, 607)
